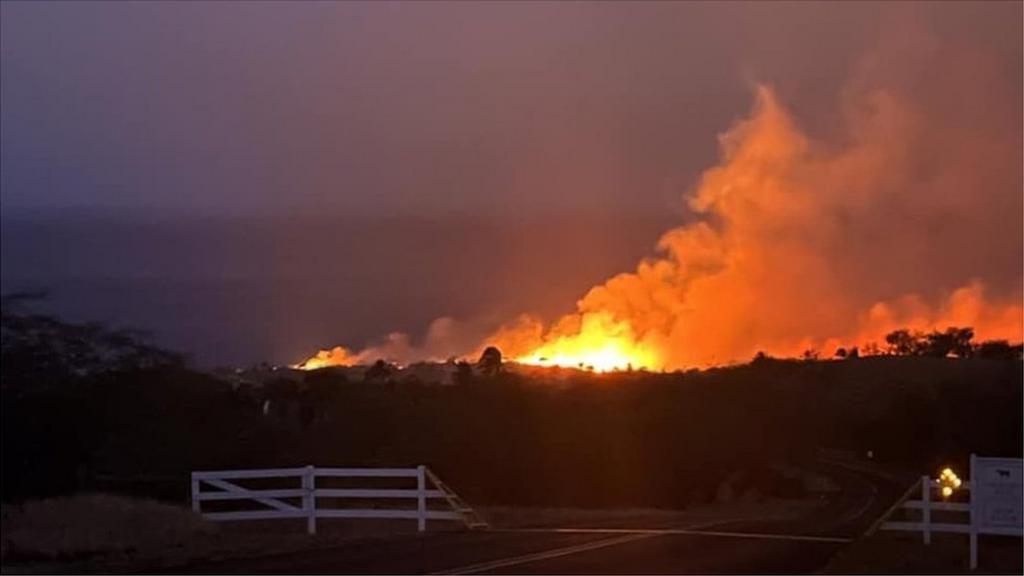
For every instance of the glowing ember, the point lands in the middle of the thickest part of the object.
(604, 359)
(601, 344)
(337, 356)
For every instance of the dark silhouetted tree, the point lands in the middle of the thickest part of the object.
(953, 341)
(380, 370)
(40, 349)
(999, 350)
(841, 353)
(963, 347)
(904, 343)
(938, 345)
(490, 361)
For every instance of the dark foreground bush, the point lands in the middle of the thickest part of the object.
(621, 439)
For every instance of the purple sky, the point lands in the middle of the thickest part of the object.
(347, 166)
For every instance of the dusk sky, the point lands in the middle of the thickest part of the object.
(256, 181)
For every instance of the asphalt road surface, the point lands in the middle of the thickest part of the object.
(802, 545)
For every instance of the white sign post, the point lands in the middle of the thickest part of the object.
(997, 499)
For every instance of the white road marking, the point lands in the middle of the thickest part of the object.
(684, 532)
(625, 535)
(557, 552)
(631, 534)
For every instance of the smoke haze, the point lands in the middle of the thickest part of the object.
(471, 163)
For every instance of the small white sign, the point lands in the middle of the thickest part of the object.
(998, 486)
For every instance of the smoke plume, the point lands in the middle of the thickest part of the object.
(801, 242)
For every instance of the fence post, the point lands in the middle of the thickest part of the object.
(309, 499)
(973, 511)
(421, 498)
(926, 509)
(195, 494)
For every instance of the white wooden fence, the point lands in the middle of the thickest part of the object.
(978, 507)
(304, 496)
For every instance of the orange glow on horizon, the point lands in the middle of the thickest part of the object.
(764, 267)
(592, 353)
(598, 343)
(337, 356)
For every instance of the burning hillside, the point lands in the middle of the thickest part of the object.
(799, 244)
(763, 269)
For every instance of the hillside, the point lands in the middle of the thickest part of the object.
(643, 439)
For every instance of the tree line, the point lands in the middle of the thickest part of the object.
(86, 408)
(955, 342)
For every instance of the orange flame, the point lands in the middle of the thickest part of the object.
(766, 265)
(337, 356)
(601, 343)
(758, 272)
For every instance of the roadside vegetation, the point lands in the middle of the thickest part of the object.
(87, 409)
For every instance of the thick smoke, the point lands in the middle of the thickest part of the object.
(774, 263)
(445, 338)
(895, 217)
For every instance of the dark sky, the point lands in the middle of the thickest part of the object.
(251, 181)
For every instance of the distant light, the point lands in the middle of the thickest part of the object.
(949, 482)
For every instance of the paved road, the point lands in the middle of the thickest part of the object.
(791, 546)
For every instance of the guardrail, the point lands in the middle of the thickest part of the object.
(994, 506)
(302, 501)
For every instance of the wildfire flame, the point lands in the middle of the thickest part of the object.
(337, 356)
(602, 344)
(753, 274)
(765, 266)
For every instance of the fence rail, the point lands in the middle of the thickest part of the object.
(1007, 473)
(275, 505)
(927, 505)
